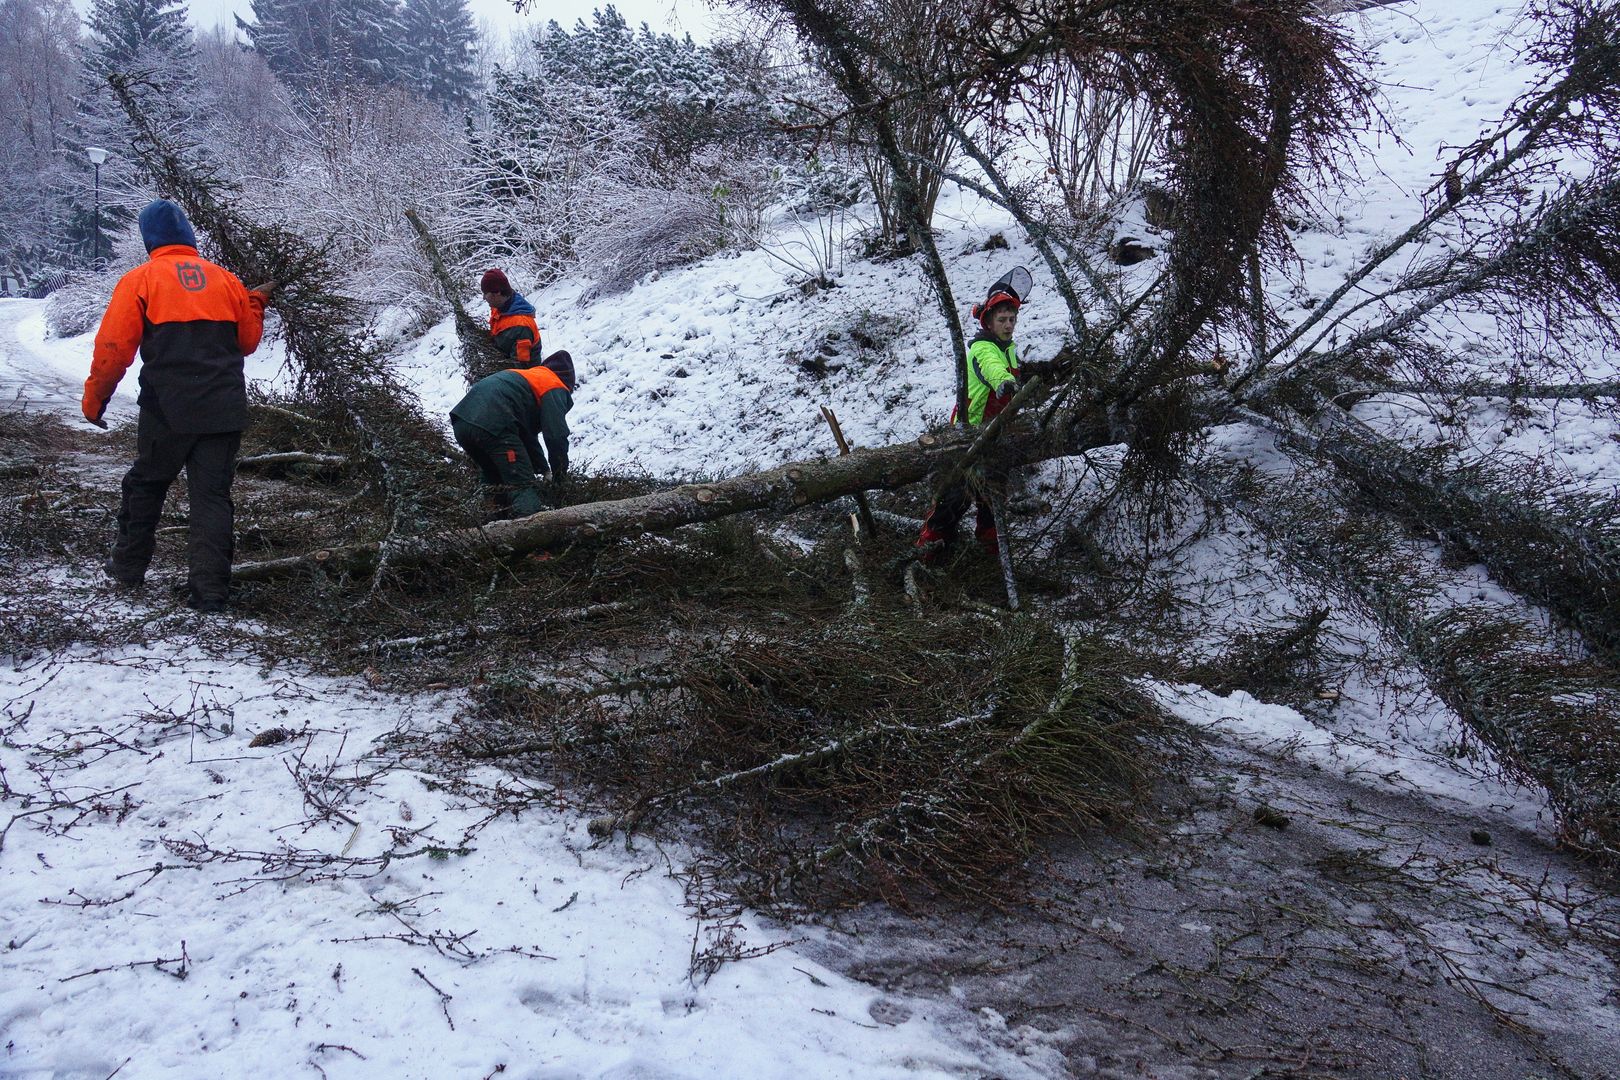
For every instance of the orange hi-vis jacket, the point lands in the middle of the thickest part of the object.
(542, 380)
(192, 322)
(500, 322)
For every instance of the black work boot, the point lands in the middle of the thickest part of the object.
(206, 604)
(122, 577)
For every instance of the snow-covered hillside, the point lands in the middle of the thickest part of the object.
(182, 902)
(701, 370)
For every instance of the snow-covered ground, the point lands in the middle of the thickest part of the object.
(176, 907)
(179, 903)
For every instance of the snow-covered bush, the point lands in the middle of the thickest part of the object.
(625, 151)
(828, 181)
(646, 229)
(76, 307)
(532, 183)
(742, 187)
(354, 162)
(632, 228)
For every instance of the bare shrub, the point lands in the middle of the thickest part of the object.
(652, 230)
(636, 228)
(1098, 136)
(814, 248)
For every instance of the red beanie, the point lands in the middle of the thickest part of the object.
(494, 281)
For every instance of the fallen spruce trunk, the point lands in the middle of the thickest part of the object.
(479, 356)
(781, 490)
(1547, 713)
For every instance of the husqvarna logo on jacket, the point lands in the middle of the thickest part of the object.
(191, 275)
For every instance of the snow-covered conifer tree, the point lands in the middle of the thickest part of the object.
(437, 41)
(148, 43)
(127, 32)
(319, 45)
(686, 94)
(37, 79)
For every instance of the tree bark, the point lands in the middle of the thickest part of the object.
(1589, 391)
(478, 356)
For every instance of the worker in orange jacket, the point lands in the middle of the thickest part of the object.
(192, 322)
(511, 320)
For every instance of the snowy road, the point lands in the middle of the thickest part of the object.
(37, 374)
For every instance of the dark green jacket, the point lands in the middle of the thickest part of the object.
(504, 404)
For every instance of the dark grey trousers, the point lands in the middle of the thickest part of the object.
(503, 466)
(210, 465)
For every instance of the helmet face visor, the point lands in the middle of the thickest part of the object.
(1017, 282)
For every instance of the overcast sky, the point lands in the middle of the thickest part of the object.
(666, 16)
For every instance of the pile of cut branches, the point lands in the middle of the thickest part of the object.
(897, 755)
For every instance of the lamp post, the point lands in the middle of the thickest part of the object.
(97, 156)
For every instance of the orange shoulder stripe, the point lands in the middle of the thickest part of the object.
(542, 380)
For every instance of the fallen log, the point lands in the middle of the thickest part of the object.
(1571, 566)
(1588, 391)
(1547, 713)
(780, 490)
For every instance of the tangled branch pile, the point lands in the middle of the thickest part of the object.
(890, 755)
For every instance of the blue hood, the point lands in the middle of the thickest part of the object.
(163, 223)
(517, 306)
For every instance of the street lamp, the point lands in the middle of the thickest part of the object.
(97, 156)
